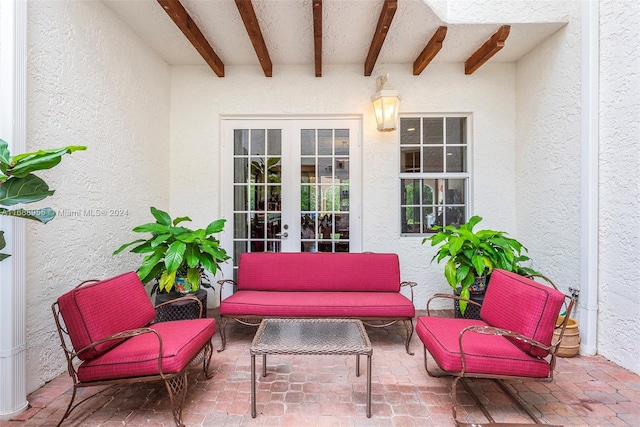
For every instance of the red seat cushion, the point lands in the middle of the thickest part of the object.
(306, 271)
(138, 356)
(485, 354)
(318, 304)
(524, 306)
(97, 310)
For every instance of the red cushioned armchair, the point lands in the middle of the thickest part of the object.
(107, 327)
(511, 341)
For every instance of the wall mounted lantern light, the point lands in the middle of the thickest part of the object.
(386, 104)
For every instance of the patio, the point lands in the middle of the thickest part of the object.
(324, 391)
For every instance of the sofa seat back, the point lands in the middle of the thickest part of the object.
(306, 271)
(95, 311)
(524, 306)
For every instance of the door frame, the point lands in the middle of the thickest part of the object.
(289, 125)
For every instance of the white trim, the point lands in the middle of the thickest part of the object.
(13, 98)
(588, 298)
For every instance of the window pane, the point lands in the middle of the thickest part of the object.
(429, 219)
(308, 142)
(456, 159)
(456, 130)
(455, 194)
(410, 159)
(428, 191)
(410, 192)
(433, 159)
(240, 170)
(342, 169)
(432, 131)
(241, 142)
(342, 142)
(308, 169)
(240, 198)
(410, 131)
(411, 219)
(258, 141)
(325, 141)
(274, 142)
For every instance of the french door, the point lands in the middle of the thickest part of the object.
(291, 186)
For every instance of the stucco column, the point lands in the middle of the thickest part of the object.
(13, 97)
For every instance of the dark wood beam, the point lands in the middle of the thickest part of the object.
(487, 50)
(248, 14)
(430, 51)
(181, 18)
(384, 22)
(317, 35)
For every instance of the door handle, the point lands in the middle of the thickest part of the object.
(282, 235)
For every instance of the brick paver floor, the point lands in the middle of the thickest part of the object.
(324, 391)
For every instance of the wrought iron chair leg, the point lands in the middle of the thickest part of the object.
(208, 351)
(70, 407)
(177, 388)
(223, 335)
(408, 326)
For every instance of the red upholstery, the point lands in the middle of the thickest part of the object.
(319, 271)
(485, 354)
(524, 306)
(138, 356)
(317, 304)
(95, 311)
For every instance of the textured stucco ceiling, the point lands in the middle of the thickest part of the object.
(348, 27)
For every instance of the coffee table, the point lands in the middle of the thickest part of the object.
(310, 337)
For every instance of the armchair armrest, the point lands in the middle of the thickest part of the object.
(450, 296)
(222, 283)
(490, 330)
(124, 335)
(411, 286)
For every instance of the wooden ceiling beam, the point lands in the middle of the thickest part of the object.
(248, 14)
(430, 51)
(487, 50)
(183, 20)
(317, 35)
(384, 22)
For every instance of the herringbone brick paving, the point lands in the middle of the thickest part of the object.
(324, 391)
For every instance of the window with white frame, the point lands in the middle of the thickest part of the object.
(434, 172)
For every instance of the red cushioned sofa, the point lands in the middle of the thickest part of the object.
(107, 327)
(513, 339)
(365, 286)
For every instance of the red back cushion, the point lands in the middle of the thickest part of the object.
(524, 306)
(97, 310)
(320, 271)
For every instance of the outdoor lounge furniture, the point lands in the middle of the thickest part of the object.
(511, 341)
(363, 286)
(107, 327)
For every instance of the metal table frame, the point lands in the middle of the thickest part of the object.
(310, 337)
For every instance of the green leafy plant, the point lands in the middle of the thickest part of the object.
(18, 184)
(470, 255)
(175, 251)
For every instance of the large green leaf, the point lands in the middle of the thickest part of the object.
(126, 245)
(43, 215)
(27, 189)
(216, 226)
(174, 256)
(5, 157)
(167, 280)
(26, 163)
(161, 216)
(191, 255)
(151, 227)
(3, 243)
(149, 263)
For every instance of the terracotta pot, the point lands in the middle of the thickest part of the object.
(570, 344)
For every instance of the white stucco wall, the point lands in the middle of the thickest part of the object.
(548, 154)
(91, 82)
(619, 308)
(199, 98)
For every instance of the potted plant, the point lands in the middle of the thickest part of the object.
(177, 256)
(18, 184)
(471, 256)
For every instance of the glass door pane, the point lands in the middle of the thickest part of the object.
(324, 190)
